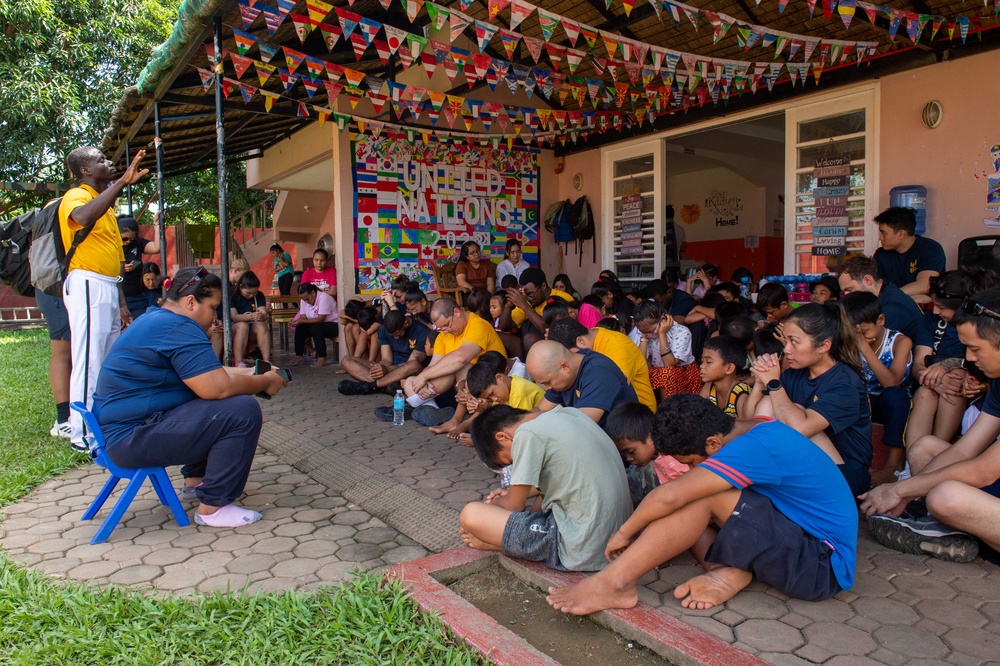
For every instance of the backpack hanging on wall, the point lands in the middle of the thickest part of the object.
(557, 220)
(581, 219)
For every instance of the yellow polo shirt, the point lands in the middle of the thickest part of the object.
(524, 394)
(626, 355)
(101, 252)
(478, 331)
(520, 316)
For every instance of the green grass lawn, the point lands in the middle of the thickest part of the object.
(365, 621)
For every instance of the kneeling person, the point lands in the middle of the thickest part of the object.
(562, 458)
(784, 511)
(403, 344)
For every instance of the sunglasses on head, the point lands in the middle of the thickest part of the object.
(978, 310)
(938, 290)
(193, 282)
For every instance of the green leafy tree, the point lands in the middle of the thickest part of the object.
(64, 64)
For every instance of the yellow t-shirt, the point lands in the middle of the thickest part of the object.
(626, 355)
(101, 252)
(477, 331)
(524, 394)
(519, 316)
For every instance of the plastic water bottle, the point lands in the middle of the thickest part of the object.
(398, 405)
(744, 287)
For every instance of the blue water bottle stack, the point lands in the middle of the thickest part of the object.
(912, 196)
(398, 406)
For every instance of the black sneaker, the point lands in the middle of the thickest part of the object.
(348, 387)
(392, 388)
(915, 509)
(427, 415)
(925, 536)
(388, 414)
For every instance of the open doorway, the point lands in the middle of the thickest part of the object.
(726, 186)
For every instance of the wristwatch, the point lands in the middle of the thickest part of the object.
(773, 385)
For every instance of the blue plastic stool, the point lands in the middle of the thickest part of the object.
(157, 476)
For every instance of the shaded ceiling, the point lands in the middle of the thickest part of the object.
(188, 108)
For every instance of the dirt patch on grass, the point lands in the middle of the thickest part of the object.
(572, 641)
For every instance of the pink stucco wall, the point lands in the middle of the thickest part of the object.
(952, 160)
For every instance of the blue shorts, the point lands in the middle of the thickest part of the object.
(760, 539)
(56, 317)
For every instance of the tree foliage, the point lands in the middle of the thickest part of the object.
(64, 65)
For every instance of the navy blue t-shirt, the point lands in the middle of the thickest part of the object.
(945, 336)
(903, 315)
(145, 370)
(991, 405)
(681, 303)
(901, 268)
(245, 305)
(600, 385)
(414, 339)
(839, 396)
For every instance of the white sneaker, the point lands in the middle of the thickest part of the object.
(61, 430)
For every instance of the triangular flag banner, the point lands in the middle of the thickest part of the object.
(248, 13)
(207, 78)
(323, 115)
(303, 26)
(334, 71)
(828, 6)
(311, 85)
(354, 77)
(394, 37)
(812, 9)
(628, 6)
(369, 29)
(437, 14)
(963, 26)
(359, 44)
(781, 10)
(497, 6)
(333, 91)
(870, 10)
(534, 46)
(267, 51)
(228, 86)
(293, 58)
(846, 9)
(244, 41)
(240, 64)
(269, 98)
(458, 25)
(413, 8)
(318, 10)
(556, 54)
(548, 22)
(382, 48)
(510, 41)
(610, 43)
(429, 62)
(272, 18)
(692, 16)
(288, 79)
(315, 67)
(895, 19)
(484, 33)
(573, 59)
(264, 71)
(303, 111)
(284, 7)
(518, 12)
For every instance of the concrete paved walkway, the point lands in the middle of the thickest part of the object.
(339, 490)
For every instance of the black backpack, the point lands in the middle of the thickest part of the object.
(581, 219)
(32, 255)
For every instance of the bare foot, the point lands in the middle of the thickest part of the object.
(713, 588)
(299, 360)
(319, 362)
(445, 428)
(473, 542)
(340, 372)
(591, 595)
(465, 439)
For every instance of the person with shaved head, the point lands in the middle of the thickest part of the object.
(589, 381)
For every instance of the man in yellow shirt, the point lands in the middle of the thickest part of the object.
(95, 302)
(463, 337)
(525, 305)
(617, 346)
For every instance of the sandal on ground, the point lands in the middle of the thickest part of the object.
(228, 516)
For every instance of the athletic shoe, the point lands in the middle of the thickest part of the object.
(189, 492)
(80, 446)
(925, 536)
(388, 414)
(426, 415)
(348, 387)
(392, 388)
(61, 430)
(915, 509)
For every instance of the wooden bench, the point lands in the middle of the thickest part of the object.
(283, 311)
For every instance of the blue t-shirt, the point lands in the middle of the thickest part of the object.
(145, 370)
(901, 268)
(600, 385)
(903, 315)
(681, 303)
(991, 405)
(839, 396)
(945, 336)
(414, 339)
(245, 305)
(802, 483)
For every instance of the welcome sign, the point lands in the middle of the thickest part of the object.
(416, 202)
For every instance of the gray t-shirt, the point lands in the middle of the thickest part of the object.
(579, 472)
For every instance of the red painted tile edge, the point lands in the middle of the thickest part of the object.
(669, 637)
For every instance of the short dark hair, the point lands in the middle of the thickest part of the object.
(277, 247)
(485, 428)
(201, 290)
(508, 281)
(862, 307)
(611, 323)
(566, 331)
(772, 295)
(713, 299)
(309, 288)
(414, 295)
(556, 309)
(367, 317)
(400, 282)
(899, 218)
(478, 301)
(765, 340)
(857, 267)
(484, 373)
(729, 310)
(647, 311)
(249, 280)
(741, 328)
(352, 308)
(987, 327)
(127, 223)
(728, 287)
(394, 321)
(742, 272)
(685, 421)
(657, 287)
(320, 250)
(731, 351)
(532, 275)
(78, 157)
(632, 421)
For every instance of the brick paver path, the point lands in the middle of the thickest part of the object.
(339, 490)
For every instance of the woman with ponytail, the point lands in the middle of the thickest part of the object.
(821, 394)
